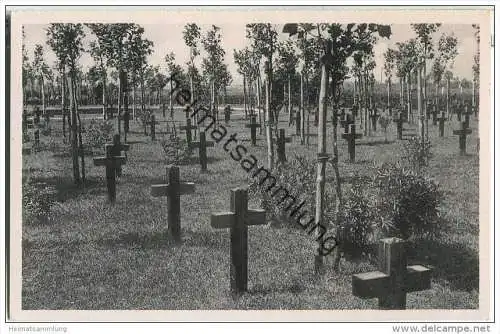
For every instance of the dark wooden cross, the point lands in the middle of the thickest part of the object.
(227, 114)
(36, 135)
(351, 141)
(280, 149)
(462, 137)
(113, 163)
(202, 145)
(188, 127)
(441, 121)
(173, 190)
(374, 117)
(152, 123)
(434, 114)
(297, 120)
(399, 124)
(237, 220)
(467, 119)
(253, 129)
(345, 121)
(394, 279)
(116, 148)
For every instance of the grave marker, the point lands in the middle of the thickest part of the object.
(152, 124)
(351, 141)
(374, 117)
(399, 125)
(36, 135)
(346, 121)
(227, 114)
(188, 127)
(202, 145)
(297, 120)
(394, 279)
(280, 149)
(126, 123)
(462, 137)
(434, 114)
(173, 190)
(253, 129)
(441, 120)
(112, 163)
(238, 220)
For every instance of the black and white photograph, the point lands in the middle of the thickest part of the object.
(248, 162)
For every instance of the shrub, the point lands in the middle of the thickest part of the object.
(416, 153)
(358, 222)
(409, 200)
(38, 198)
(177, 150)
(98, 133)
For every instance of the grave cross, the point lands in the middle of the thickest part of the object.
(238, 220)
(346, 120)
(112, 163)
(116, 149)
(462, 137)
(394, 279)
(202, 149)
(280, 149)
(152, 123)
(351, 141)
(227, 114)
(253, 129)
(297, 120)
(173, 190)
(441, 120)
(188, 127)
(399, 124)
(374, 117)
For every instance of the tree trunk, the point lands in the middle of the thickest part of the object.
(448, 98)
(258, 104)
(366, 103)
(302, 111)
(269, 124)
(322, 157)
(74, 132)
(420, 109)
(408, 102)
(104, 114)
(389, 95)
(133, 100)
(289, 101)
(63, 109)
(424, 78)
(120, 96)
(245, 95)
(401, 92)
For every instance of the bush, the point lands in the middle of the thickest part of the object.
(98, 133)
(358, 221)
(409, 200)
(38, 198)
(416, 153)
(177, 150)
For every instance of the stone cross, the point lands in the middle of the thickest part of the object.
(152, 123)
(173, 190)
(462, 137)
(399, 125)
(202, 145)
(394, 279)
(280, 149)
(351, 141)
(441, 121)
(188, 127)
(253, 129)
(237, 220)
(113, 163)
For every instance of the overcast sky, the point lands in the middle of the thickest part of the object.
(168, 38)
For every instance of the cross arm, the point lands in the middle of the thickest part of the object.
(256, 217)
(160, 190)
(105, 161)
(222, 220)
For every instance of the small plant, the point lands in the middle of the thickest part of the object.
(408, 200)
(38, 198)
(98, 133)
(417, 153)
(177, 150)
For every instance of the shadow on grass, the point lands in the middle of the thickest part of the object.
(452, 262)
(375, 143)
(294, 287)
(67, 189)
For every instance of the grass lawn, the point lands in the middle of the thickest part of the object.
(90, 255)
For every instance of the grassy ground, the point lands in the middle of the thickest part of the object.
(88, 254)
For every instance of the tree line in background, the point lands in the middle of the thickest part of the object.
(308, 70)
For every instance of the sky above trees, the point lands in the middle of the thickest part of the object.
(168, 38)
